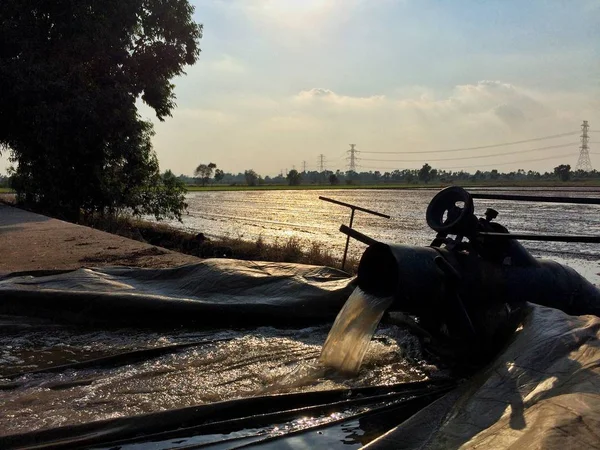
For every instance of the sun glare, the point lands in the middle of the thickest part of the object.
(296, 12)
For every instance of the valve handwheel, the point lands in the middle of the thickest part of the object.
(451, 212)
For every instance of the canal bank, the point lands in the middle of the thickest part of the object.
(30, 241)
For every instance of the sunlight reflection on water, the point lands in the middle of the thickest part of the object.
(279, 215)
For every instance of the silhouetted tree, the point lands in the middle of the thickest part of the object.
(425, 173)
(563, 172)
(219, 174)
(294, 177)
(204, 172)
(71, 74)
(251, 177)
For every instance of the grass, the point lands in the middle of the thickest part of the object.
(6, 190)
(291, 250)
(307, 187)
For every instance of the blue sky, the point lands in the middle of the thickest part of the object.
(281, 81)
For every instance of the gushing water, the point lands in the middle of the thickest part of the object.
(352, 331)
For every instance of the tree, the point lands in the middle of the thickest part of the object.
(425, 173)
(71, 75)
(563, 172)
(251, 177)
(205, 171)
(294, 177)
(219, 174)
(333, 179)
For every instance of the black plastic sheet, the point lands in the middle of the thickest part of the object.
(215, 293)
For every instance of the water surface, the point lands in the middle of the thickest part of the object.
(279, 215)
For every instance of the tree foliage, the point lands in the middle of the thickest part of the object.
(204, 172)
(563, 171)
(70, 74)
(294, 177)
(219, 175)
(251, 177)
(425, 173)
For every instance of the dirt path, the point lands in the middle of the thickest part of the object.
(30, 241)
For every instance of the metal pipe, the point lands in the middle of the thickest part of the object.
(539, 198)
(348, 240)
(358, 208)
(539, 237)
(357, 235)
(354, 209)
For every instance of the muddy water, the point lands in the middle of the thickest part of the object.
(223, 366)
(279, 215)
(351, 333)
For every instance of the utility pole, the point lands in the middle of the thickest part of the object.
(321, 162)
(352, 158)
(584, 163)
(304, 166)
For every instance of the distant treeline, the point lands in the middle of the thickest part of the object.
(425, 174)
(4, 181)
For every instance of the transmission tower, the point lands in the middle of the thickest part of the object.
(304, 166)
(352, 158)
(321, 162)
(584, 163)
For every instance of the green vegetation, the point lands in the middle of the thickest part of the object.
(426, 176)
(5, 190)
(490, 183)
(72, 73)
(291, 250)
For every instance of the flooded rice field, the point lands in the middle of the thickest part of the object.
(280, 215)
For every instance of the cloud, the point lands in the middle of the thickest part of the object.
(204, 116)
(291, 123)
(293, 13)
(327, 97)
(227, 64)
(269, 132)
(483, 101)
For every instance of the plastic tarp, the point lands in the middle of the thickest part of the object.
(541, 391)
(216, 293)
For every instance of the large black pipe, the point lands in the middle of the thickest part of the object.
(418, 284)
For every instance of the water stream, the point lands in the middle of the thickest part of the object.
(352, 331)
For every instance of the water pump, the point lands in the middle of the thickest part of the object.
(468, 288)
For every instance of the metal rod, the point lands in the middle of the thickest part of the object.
(538, 237)
(348, 239)
(358, 235)
(538, 198)
(358, 208)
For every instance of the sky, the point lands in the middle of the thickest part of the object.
(280, 82)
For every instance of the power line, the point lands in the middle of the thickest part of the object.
(474, 157)
(566, 155)
(481, 146)
(489, 165)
